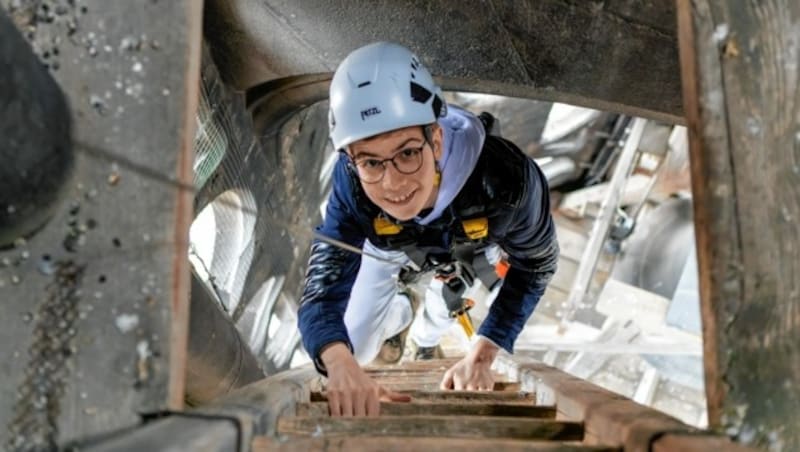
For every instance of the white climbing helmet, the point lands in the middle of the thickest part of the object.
(379, 88)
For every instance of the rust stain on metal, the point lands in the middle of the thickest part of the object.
(183, 211)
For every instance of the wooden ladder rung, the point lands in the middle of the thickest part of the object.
(402, 444)
(456, 396)
(435, 426)
(413, 366)
(443, 409)
(426, 384)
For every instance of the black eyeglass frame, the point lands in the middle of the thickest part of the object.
(426, 133)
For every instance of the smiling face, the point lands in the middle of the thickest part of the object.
(403, 196)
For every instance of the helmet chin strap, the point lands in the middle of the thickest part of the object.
(427, 134)
(437, 181)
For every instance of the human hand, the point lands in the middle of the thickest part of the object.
(474, 371)
(350, 391)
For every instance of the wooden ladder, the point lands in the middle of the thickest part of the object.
(507, 419)
(534, 407)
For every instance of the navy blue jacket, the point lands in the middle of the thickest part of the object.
(506, 186)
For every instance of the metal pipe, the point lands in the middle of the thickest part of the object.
(602, 223)
(218, 361)
(35, 144)
(558, 171)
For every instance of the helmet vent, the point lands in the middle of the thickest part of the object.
(419, 93)
(438, 107)
(363, 84)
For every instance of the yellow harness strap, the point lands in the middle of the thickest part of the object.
(466, 324)
(383, 226)
(476, 228)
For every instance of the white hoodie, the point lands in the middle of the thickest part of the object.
(463, 136)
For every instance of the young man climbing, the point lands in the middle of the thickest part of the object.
(418, 186)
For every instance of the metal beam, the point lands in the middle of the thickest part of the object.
(603, 55)
(178, 432)
(104, 286)
(740, 71)
(602, 224)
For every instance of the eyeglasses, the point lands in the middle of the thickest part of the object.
(371, 170)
